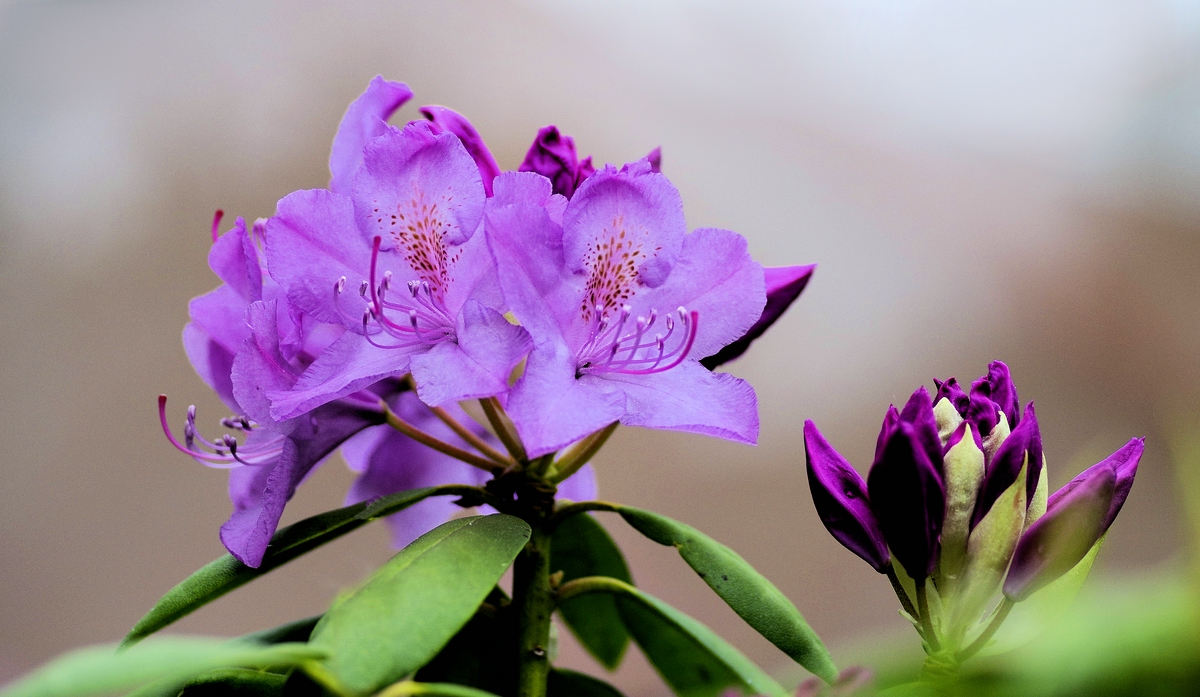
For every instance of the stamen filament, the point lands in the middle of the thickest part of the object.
(497, 418)
(441, 446)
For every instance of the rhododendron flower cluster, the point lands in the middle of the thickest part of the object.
(566, 298)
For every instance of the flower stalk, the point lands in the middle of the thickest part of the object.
(534, 599)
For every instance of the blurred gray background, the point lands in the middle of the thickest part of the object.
(1012, 180)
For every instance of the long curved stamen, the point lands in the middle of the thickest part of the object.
(633, 353)
(225, 454)
(216, 223)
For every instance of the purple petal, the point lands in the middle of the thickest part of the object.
(885, 432)
(348, 365)
(918, 412)
(366, 118)
(234, 259)
(259, 369)
(212, 362)
(580, 486)
(259, 493)
(448, 120)
(312, 242)
(553, 156)
(552, 409)
(654, 157)
(527, 245)
(840, 496)
(960, 433)
(1123, 463)
(478, 364)
(633, 207)
(1058, 540)
(689, 398)
(951, 390)
(983, 413)
(783, 284)
(715, 276)
(1024, 441)
(908, 501)
(417, 179)
(998, 386)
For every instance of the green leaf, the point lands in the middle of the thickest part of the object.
(568, 683)
(480, 655)
(690, 657)
(226, 573)
(755, 599)
(237, 682)
(298, 630)
(581, 547)
(414, 604)
(102, 670)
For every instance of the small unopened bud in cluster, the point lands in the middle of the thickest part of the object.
(956, 507)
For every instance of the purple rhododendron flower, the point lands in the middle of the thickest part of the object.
(621, 302)
(427, 302)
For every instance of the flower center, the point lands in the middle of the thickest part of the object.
(612, 349)
(403, 320)
(419, 230)
(612, 261)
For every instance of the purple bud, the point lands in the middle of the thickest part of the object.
(885, 432)
(1025, 440)
(1058, 540)
(951, 390)
(998, 386)
(553, 156)
(840, 496)
(918, 413)
(908, 500)
(1123, 463)
(451, 121)
(958, 435)
(784, 285)
(983, 413)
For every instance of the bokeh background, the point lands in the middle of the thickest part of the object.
(1015, 180)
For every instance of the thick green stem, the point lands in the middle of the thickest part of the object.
(534, 600)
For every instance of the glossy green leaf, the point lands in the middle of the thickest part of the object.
(568, 683)
(414, 604)
(226, 573)
(235, 682)
(480, 655)
(690, 657)
(103, 670)
(581, 547)
(755, 599)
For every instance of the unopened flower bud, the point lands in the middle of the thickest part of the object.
(908, 500)
(1060, 538)
(962, 474)
(840, 496)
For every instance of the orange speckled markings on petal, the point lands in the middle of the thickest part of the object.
(612, 261)
(419, 229)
